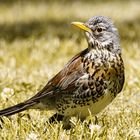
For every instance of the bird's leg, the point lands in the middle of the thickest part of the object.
(56, 118)
(96, 120)
(67, 123)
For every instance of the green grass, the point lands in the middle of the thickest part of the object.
(36, 40)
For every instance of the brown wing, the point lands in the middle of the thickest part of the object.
(63, 82)
(65, 79)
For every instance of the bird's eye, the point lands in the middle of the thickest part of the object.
(99, 29)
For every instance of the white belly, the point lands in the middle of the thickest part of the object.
(92, 108)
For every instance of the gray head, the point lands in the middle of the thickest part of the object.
(100, 30)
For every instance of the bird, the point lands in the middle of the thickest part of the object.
(89, 82)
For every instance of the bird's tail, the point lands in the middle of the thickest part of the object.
(17, 108)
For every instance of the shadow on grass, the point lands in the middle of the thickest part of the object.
(35, 28)
(129, 30)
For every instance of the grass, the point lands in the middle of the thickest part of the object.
(34, 36)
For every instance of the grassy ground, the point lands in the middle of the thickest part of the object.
(36, 40)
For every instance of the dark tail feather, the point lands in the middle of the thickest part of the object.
(17, 108)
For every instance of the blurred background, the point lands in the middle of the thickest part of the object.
(37, 39)
(22, 19)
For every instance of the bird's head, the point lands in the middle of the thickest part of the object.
(100, 30)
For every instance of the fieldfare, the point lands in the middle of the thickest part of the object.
(89, 81)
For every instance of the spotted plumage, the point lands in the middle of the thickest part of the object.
(89, 81)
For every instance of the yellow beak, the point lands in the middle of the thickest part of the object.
(81, 26)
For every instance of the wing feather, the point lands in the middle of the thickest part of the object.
(65, 79)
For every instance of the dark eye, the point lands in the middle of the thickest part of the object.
(99, 29)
